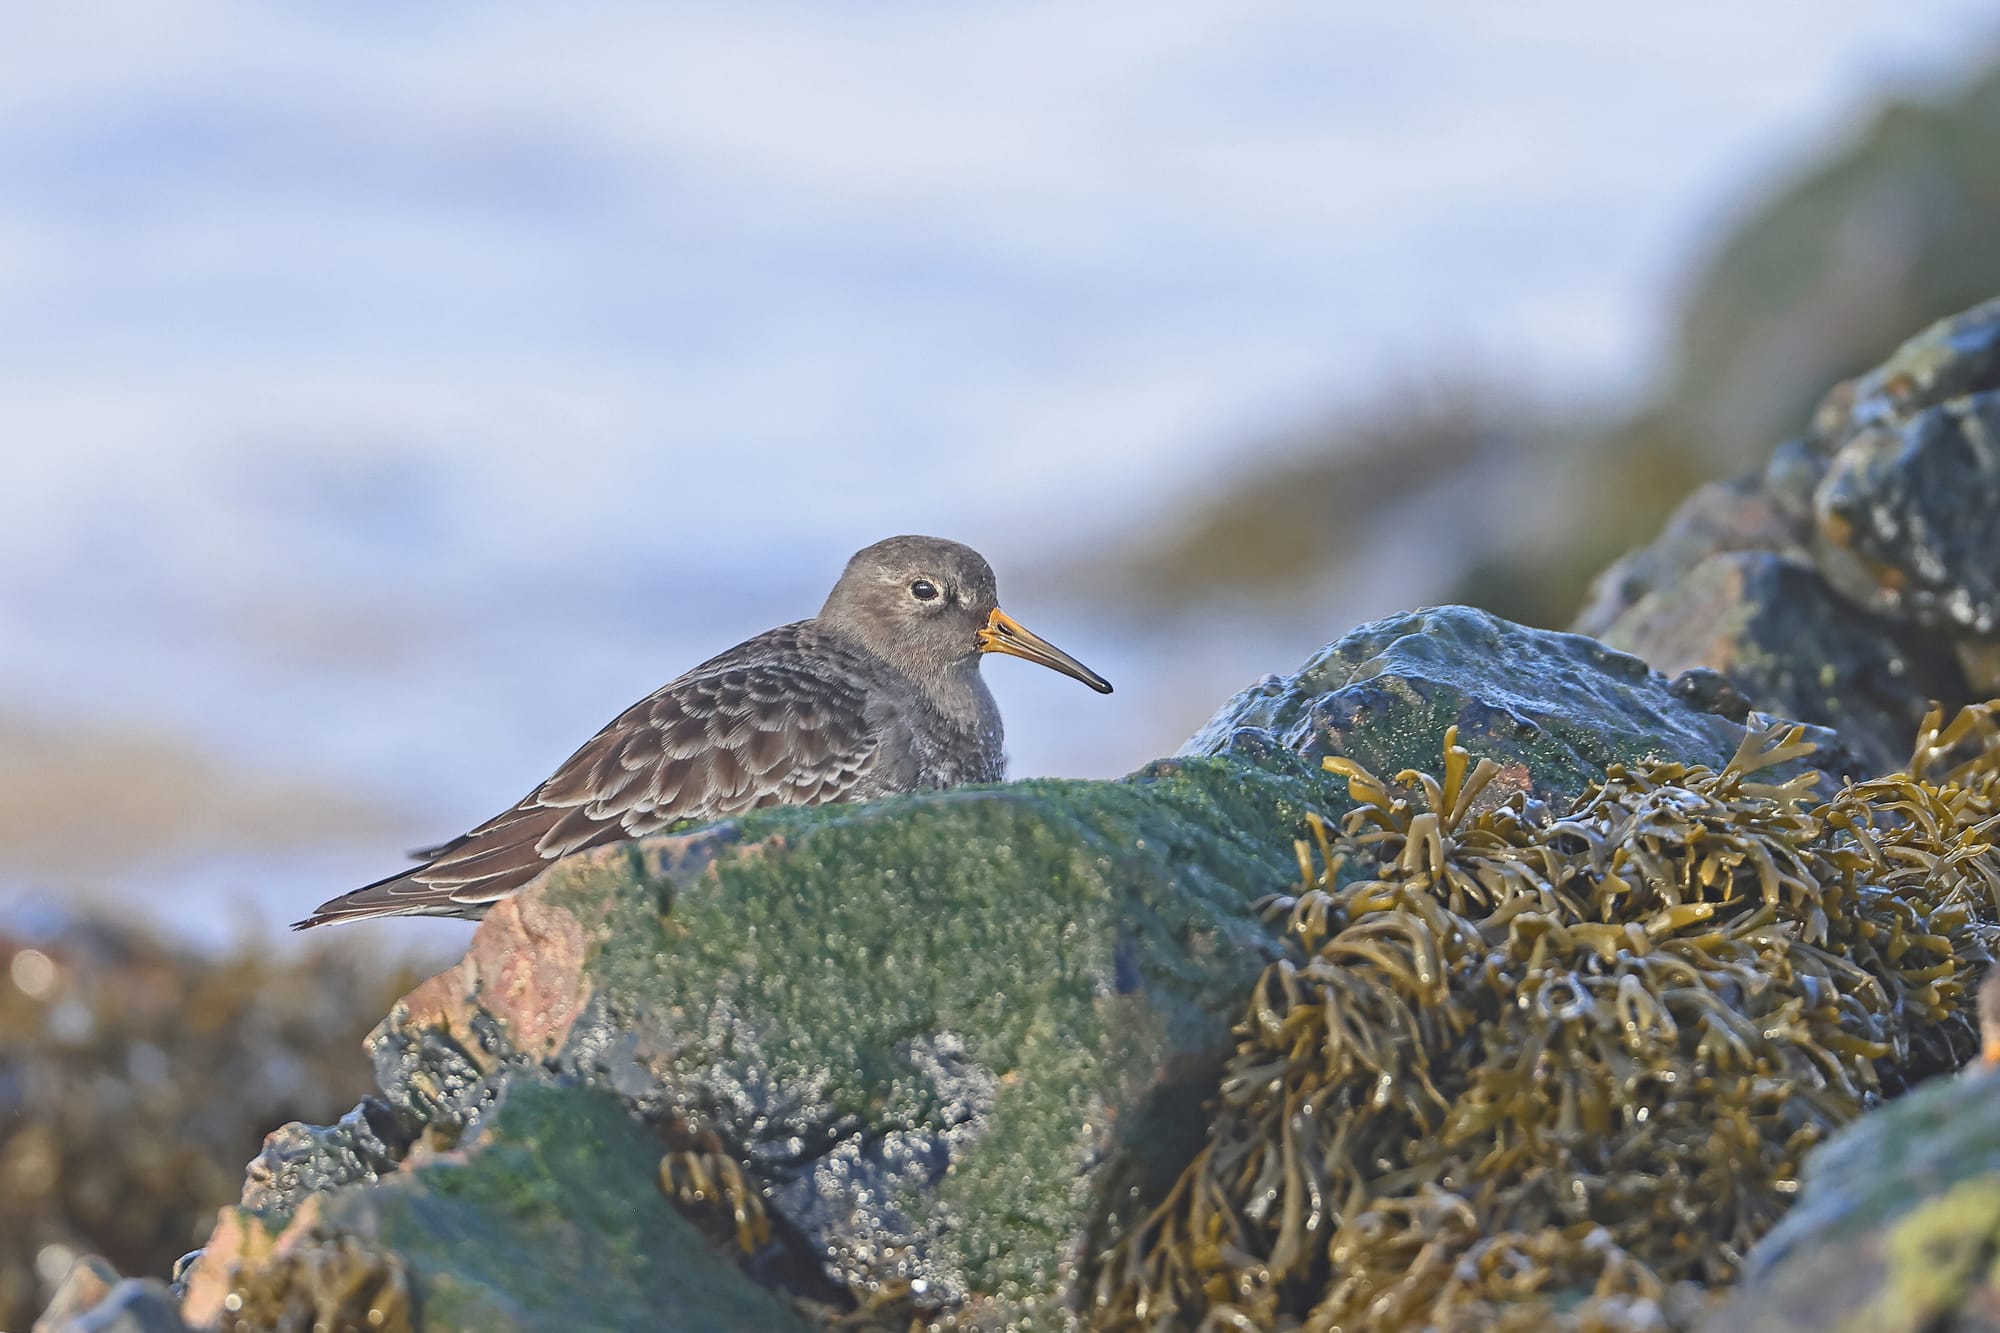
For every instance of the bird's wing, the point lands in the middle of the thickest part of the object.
(730, 736)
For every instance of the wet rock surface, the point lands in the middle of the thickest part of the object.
(1858, 576)
(1783, 638)
(1908, 510)
(1555, 709)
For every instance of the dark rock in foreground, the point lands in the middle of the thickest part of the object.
(547, 1216)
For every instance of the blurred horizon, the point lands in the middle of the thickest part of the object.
(396, 395)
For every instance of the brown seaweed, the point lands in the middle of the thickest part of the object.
(141, 1075)
(1518, 1070)
(713, 1183)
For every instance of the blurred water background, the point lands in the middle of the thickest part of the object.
(389, 394)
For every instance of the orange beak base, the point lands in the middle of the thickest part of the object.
(1004, 634)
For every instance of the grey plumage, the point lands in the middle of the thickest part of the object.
(878, 694)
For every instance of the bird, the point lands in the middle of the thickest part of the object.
(878, 694)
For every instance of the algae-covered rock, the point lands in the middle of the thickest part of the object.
(1555, 710)
(1530, 1071)
(932, 1027)
(937, 1054)
(953, 1038)
(547, 1216)
(1897, 1227)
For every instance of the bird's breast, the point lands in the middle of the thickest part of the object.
(954, 750)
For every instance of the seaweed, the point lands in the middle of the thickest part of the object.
(713, 1182)
(1518, 1069)
(309, 1281)
(137, 1075)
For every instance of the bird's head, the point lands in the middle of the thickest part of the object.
(926, 605)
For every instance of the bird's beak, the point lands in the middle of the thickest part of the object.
(1004, 634)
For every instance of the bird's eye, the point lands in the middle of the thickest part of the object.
(924, 590)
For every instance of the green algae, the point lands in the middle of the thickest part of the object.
(1066, 941)
(550, 1217)
(1939, 1253)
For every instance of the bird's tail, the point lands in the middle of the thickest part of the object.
(396, 895)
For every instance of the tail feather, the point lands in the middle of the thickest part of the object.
(467, 875)
(397, 895)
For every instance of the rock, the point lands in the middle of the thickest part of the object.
(1856, 579)
(1739, 515)
(133, 1305)
(1772, 626)
(957, 1042)
(548, 1216)
(89, 1281)
(1908, 512)
(953, 1036)
(1896, 1227)
(1555, 709)
(300, 1160)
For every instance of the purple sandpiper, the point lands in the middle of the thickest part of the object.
(880, 693)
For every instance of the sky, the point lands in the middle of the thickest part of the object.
(391, 393)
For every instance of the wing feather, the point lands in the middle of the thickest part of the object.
(783, 720)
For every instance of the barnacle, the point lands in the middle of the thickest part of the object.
(1520, 1070)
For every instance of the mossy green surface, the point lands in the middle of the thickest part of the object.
(550, 1217)
(1073, 947)
(960, 1041)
